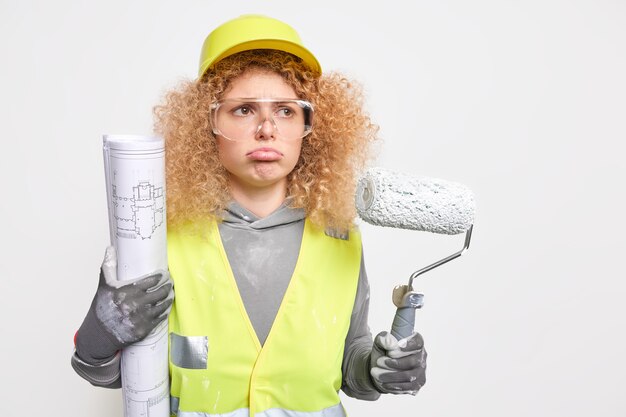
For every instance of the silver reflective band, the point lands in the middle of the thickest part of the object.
(174, 401)
(189, 352)
(242, 412)
(241, 119)
(334, 411)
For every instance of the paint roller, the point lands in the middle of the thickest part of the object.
(393, 199)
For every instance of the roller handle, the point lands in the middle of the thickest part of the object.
(407, 302)
(403, 323)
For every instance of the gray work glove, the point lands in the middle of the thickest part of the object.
(398, 366)
(122, 312)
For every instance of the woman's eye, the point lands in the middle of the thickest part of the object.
(284, 112)
(242, 111)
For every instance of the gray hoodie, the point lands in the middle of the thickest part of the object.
(263, 254)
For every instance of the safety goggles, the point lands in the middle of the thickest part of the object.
(241, 119)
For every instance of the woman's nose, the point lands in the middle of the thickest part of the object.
(266, 130)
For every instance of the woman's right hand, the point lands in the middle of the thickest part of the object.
(122, 312)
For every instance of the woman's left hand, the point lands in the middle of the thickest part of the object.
(398, 366)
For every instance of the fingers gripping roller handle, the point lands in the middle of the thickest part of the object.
(406, 301)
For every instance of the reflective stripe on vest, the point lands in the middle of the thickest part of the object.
(334, 411)
(217, 364)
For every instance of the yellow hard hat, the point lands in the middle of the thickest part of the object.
(253, 32)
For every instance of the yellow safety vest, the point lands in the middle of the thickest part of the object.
(217, 364)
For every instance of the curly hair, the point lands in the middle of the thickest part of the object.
(324, 179)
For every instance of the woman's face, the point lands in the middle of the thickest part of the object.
(263, 159)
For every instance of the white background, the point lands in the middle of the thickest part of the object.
(523, 101)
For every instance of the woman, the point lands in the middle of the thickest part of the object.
(270, 314)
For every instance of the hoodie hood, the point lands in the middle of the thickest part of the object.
(236, 215)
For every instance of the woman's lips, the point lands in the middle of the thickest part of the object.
(265, 154)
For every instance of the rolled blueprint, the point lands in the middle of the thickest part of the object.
(135, 180)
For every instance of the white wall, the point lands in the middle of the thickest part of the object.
(522, 101)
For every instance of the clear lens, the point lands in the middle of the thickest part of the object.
(241, 119)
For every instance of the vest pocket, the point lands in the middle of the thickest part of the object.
(189, 352)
